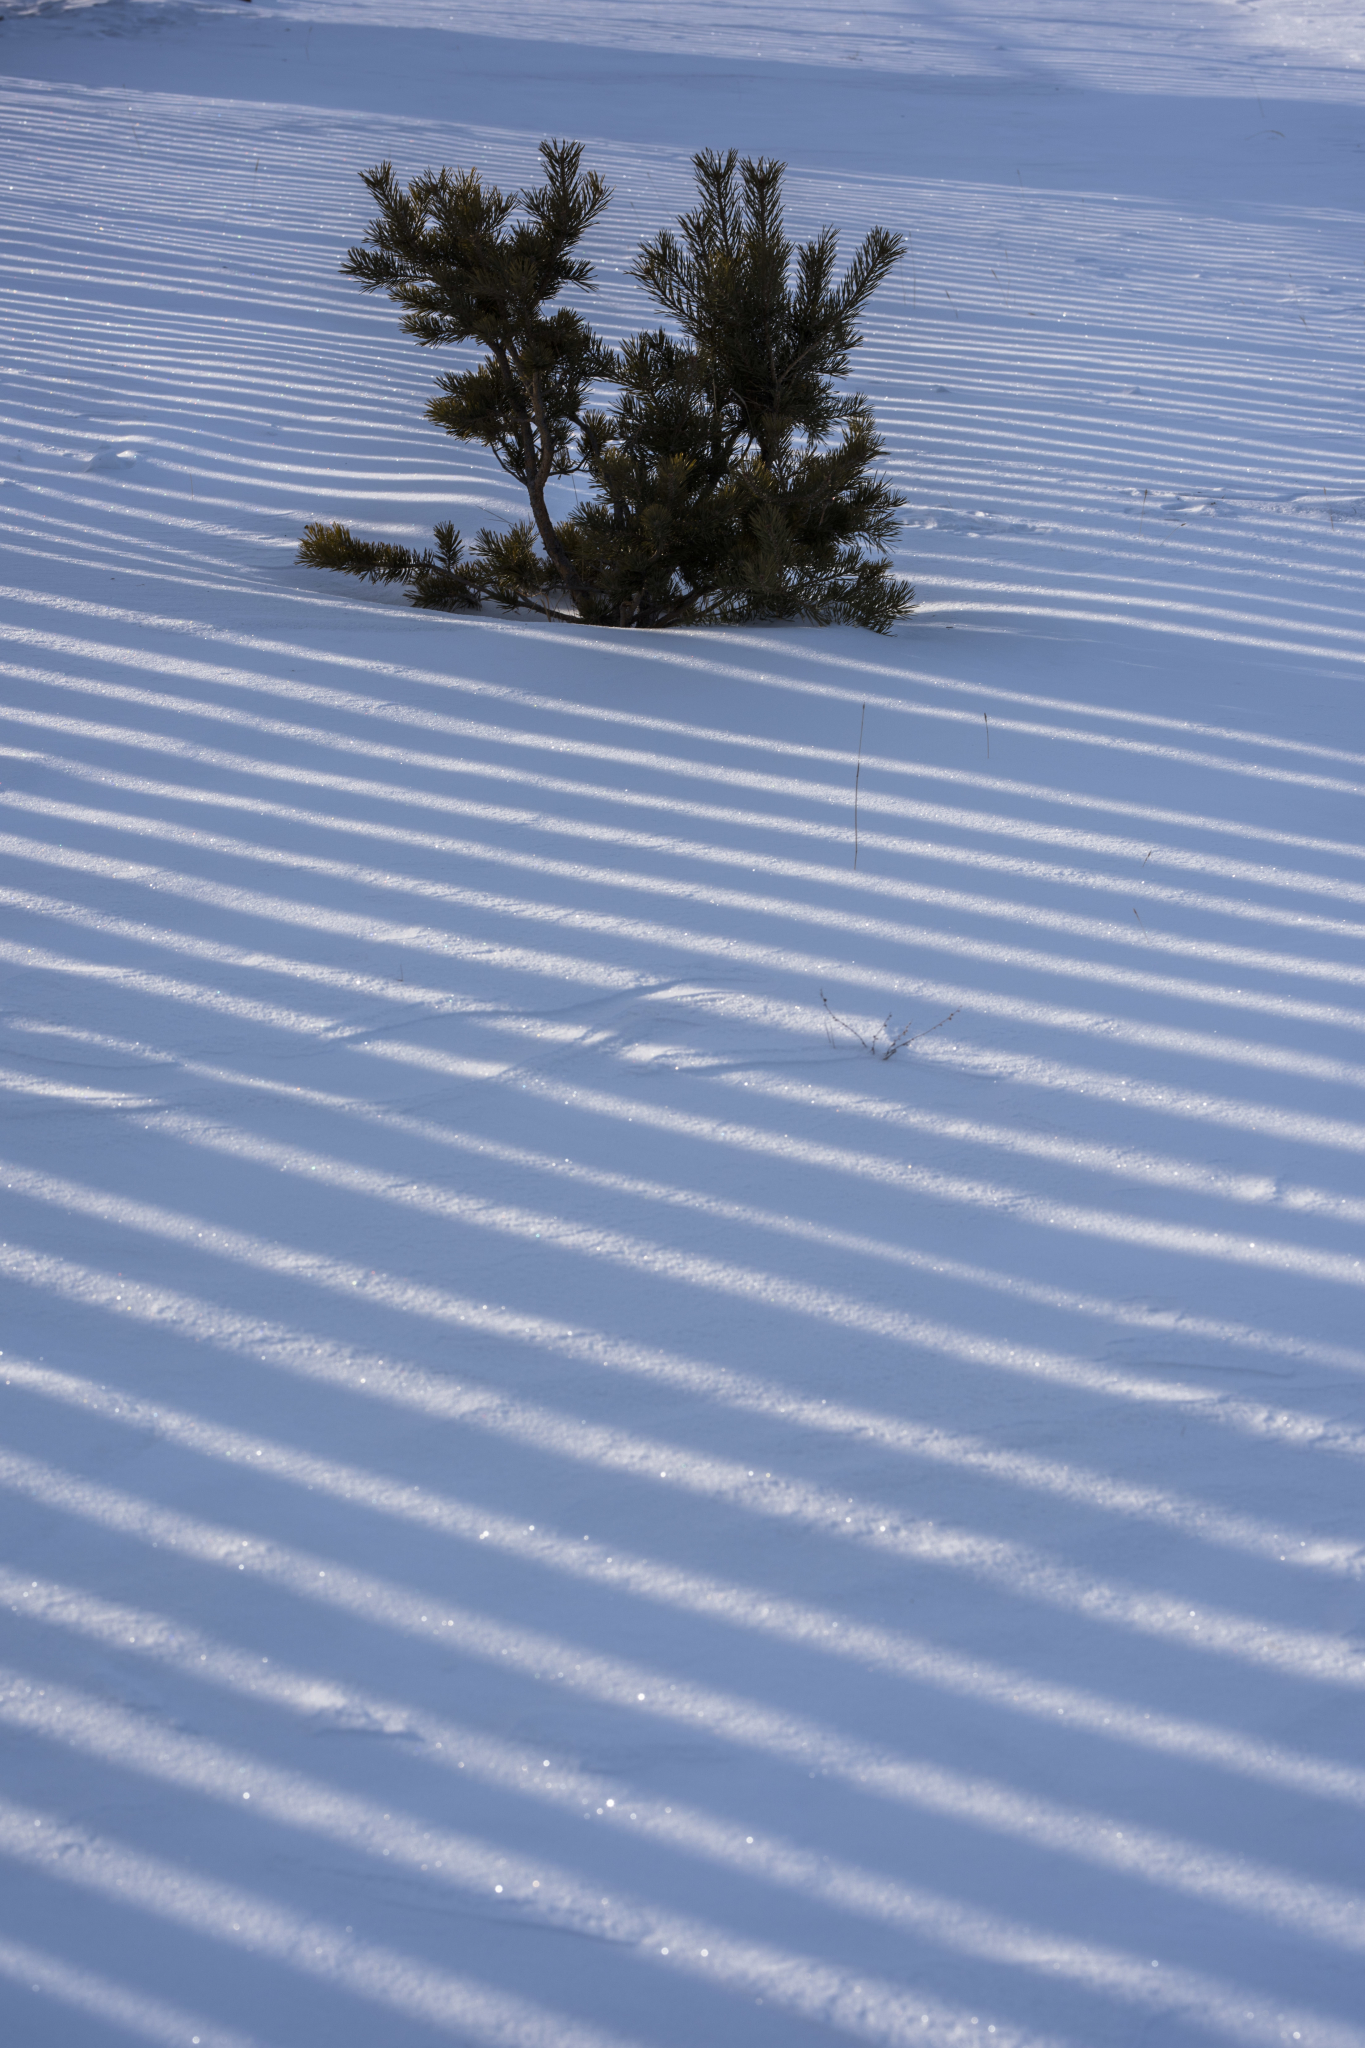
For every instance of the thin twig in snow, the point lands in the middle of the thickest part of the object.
(884, 1043)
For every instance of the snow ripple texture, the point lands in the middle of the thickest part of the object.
(442, 1142)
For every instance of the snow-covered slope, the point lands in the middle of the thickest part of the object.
(431, 1172)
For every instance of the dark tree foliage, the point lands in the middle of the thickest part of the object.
(731, 480)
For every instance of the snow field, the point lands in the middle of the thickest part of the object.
(431, 1173)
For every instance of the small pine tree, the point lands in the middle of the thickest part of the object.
(443, 250)
(719, 488)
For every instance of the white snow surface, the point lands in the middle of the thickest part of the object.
(551, 1499)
